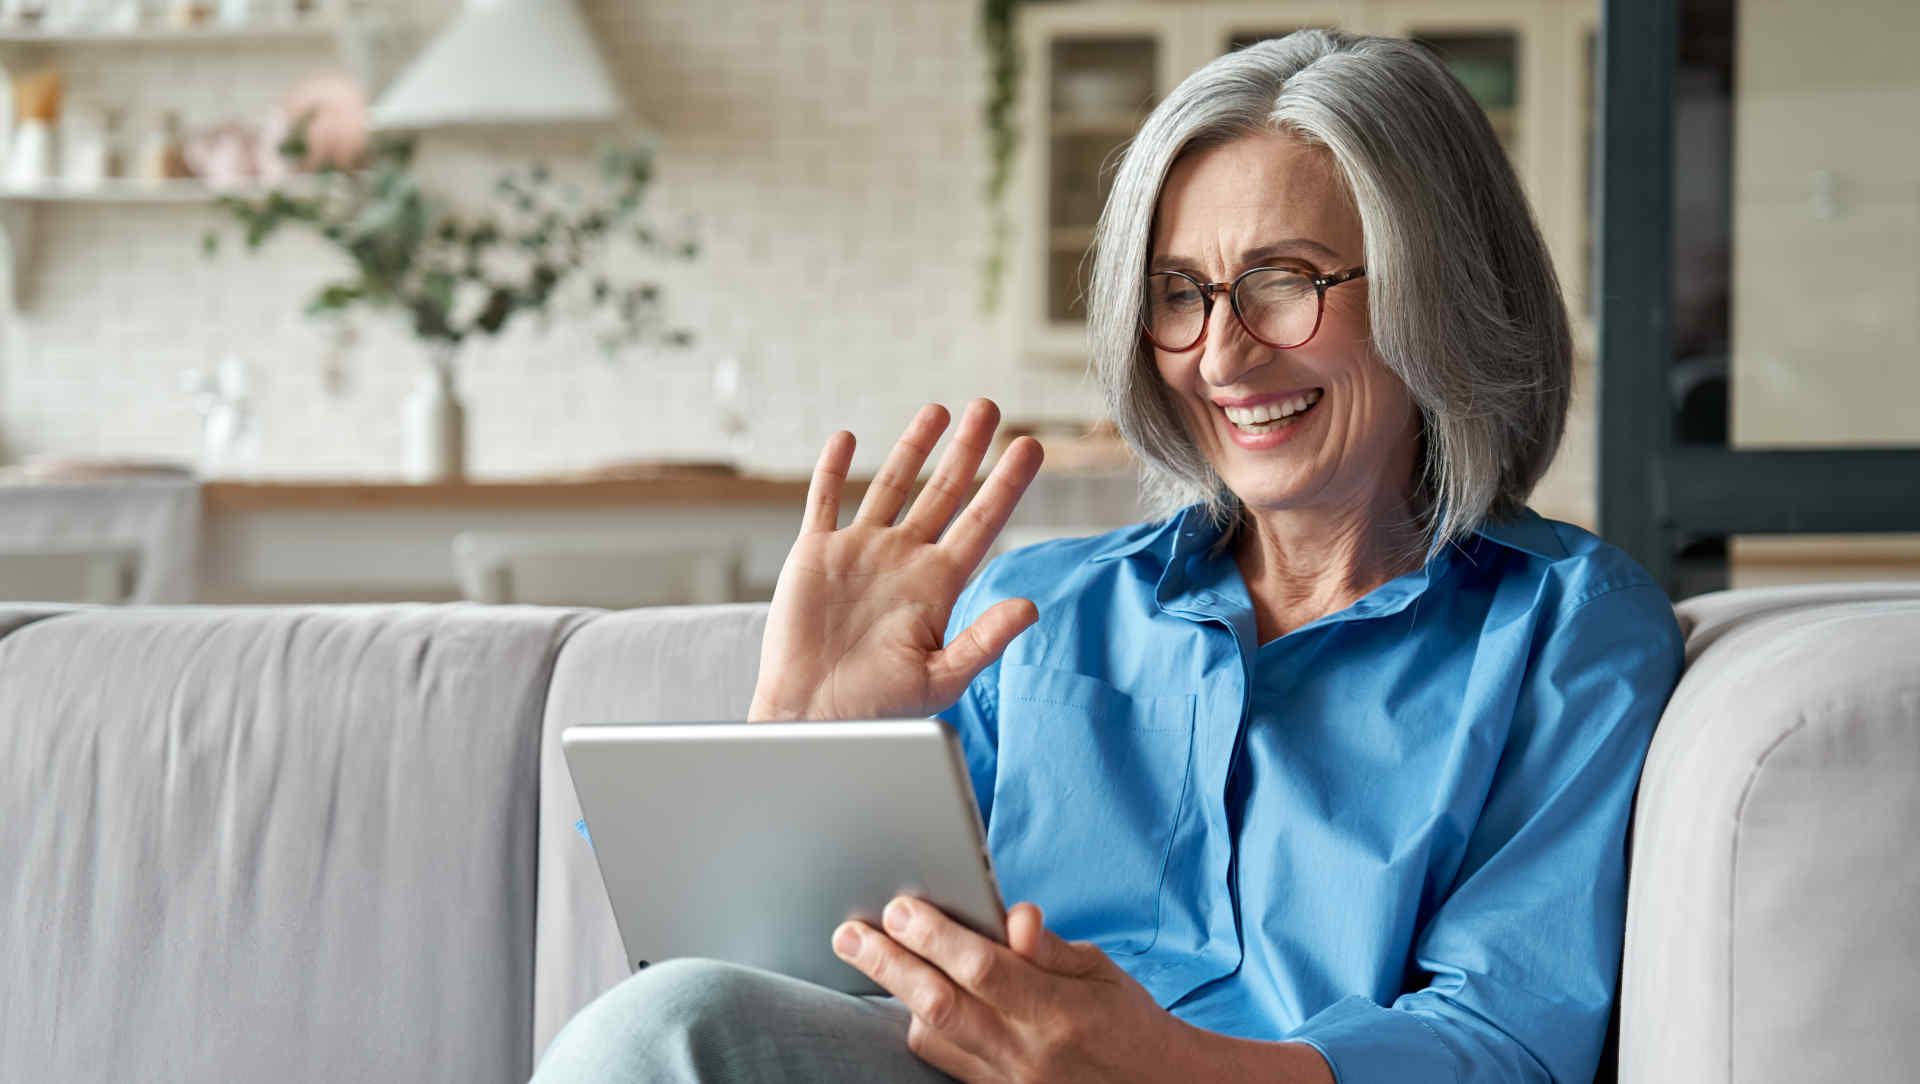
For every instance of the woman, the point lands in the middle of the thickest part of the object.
(1327, 774)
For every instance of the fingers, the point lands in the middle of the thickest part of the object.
(981, 967)
(923, 988)
(954, 476)
(1028, 936)
(980, 523)
(889, 489)
(829, 476)
(1024, 929)
(957, 664)
(944, 1054)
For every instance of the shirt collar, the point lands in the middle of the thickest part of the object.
(1189, 530)
(1212, 587)
(1140, 537)
(1528, 532)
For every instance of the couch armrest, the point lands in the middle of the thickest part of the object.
(1771, 928)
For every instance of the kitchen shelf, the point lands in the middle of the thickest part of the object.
(137, 192)
(122, 192)
(357, 31)
(17, 211)
(319, 28)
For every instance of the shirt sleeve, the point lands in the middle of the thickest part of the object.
(1522, 956)
(974, 716)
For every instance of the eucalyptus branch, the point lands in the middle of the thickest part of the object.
(411, 252)
(1003, 88)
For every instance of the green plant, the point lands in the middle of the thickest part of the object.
(457, 274)
(1003, 91)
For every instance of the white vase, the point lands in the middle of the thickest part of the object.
(434, 426)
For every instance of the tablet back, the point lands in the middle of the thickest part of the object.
(751, 842)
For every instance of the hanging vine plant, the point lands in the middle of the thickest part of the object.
(1003, 90)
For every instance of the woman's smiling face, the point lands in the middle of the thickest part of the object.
(1270, 200)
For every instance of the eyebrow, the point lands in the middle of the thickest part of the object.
(1253, 256)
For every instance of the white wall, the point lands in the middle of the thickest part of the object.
(835, 145)
(1826, 247)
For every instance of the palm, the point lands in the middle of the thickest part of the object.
(860, 613)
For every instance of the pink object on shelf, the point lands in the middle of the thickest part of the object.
(224, 157)
(335, 106)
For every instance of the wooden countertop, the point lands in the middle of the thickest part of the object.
(689, 485)
(689, 488)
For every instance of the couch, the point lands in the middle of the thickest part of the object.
(338, 843)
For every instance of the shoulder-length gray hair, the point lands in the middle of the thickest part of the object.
(1463, 300)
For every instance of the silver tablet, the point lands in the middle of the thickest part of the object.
(751, 842)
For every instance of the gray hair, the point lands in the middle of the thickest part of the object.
(1464, 304)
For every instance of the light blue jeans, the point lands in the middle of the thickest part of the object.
(703, 1020)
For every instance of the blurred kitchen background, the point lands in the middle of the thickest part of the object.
(654, 251)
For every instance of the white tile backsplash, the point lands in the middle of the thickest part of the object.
(830, 151)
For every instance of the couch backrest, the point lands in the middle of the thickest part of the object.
(270, 844)
(682, 664)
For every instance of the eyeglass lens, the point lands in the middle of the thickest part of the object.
(1279, 306)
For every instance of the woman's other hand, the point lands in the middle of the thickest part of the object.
(860, 612)
(1036, 1008)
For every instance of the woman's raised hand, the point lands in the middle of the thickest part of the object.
(860, 612)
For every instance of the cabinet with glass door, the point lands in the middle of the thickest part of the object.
(1529, 65)
(1092, 71)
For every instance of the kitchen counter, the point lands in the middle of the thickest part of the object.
(307, 540)
(374, 540)
(682, 488)
(155, 516)
(292, 541)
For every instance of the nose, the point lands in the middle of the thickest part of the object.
(1228, 353)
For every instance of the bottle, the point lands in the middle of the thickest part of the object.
(83, 149)
(30, 153)
(162, 156)
(229, 437)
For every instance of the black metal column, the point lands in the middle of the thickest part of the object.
(1633, 191)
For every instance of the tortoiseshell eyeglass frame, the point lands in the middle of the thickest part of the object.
(1321, 284)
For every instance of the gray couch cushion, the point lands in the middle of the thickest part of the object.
(1771, 925)
(670, 664)
(270, 844)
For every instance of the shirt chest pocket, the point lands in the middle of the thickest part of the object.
(1089, 787)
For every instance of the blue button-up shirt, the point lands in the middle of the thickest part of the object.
(1396, 833)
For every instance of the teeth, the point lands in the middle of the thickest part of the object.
(1267, 412)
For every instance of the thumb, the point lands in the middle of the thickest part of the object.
(981, 643)
(1029, 936)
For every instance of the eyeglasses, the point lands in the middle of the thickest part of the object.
(1279, 306)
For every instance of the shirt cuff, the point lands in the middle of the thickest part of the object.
(1366, 1044)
